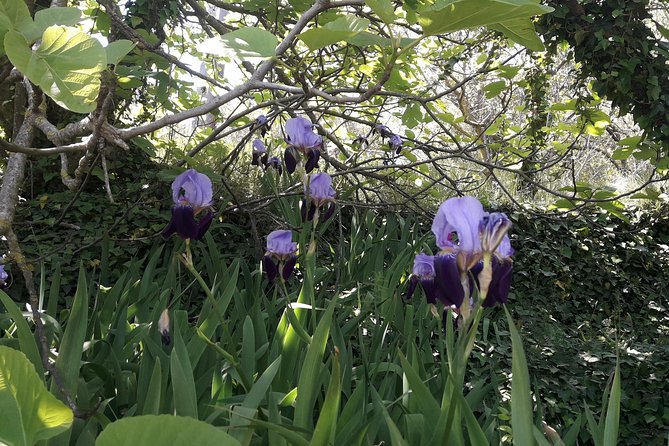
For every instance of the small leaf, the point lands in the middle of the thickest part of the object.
(29, 412)
(117, 50)
(340, 29)
(493, 89)
(163, 430)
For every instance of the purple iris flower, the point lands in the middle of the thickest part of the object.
(3, 277)
(321, 194)
(259, 153)
(192, 194)
(382, 130)
(395, 143)
(280, 257)
(260, 124)
(302, 141)
(464, 231)
(275, 162)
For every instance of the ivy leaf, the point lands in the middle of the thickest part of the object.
(66, 66)
(30, 412)
(343, 28)
(14, 15)
(463, 14)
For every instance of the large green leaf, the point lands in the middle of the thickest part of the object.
(335, 31)
(163, 430)
(49, 17)
(250, 42)
(462, 14)
(522, 32)
(14, 15)
(67, 65)
(28, 411)
(521, 400)
(384, 9)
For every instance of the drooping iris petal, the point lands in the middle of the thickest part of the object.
(280, 243)
(185, 225)
(270, 267)
(192, 187)
(3, 274)
(325, 216)
(413, 283)
(360, 140)
(300, 134)
(203, 224)
(498, 292)
(290, 158)
(462, 216)
(447, 280)
(288, 266)
(312, 160)
(259, 153)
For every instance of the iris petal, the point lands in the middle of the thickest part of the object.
(270, 267)
(447, 280)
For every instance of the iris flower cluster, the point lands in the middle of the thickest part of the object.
(475, 253)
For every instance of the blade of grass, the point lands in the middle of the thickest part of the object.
(324, 433)
(613, 410)
(521, 401)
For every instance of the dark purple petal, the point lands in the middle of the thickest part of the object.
(263, 159)
(395, 143)
(255, 160)
(203, 224)
(462, 216)
(413, 282)
(193, 188)
(280, 243)
(360, 140)
(184, 222)
(303, 209)
(270, 267)
(498, 293)
(288, 266)
(290, 159)
(312, 160)
(432, 293)
(447, 280)
(312, 211)
(275, 162)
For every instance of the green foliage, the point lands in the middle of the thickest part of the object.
(251, 42)
(29, 411)
(163, 430)
(342, 29)
(66, 65)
